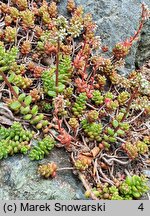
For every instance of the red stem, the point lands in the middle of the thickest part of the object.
(9, 85)
(82, 50)
(11, 88)
(140, 25)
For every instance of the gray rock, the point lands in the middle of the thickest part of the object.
(19, 179)
(143, 49)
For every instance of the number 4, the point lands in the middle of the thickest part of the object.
(141, 207)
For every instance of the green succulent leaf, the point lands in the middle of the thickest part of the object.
(115, 123)
(28, 100)
(25, 110)
(21, 97)
(16, 89)
(136, 194)
(27, 117)
(61, 87)
(110, 131)
(34, 110)
(11, 77)
(120, 132)
(15, 105)
(52, 93)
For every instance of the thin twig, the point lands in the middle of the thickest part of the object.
(87, 186)
(118, 138)
(109, 162)
(65, 168)
(132, 120)
(67, 125)
(105, 177)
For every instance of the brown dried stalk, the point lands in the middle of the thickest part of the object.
(87, 186)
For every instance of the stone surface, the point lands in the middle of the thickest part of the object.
(143, 49)
(19, 179)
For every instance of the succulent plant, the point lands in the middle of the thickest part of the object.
(65, 71)
(134, 186)
(26, 47)
(14, 140)
(14, 13)
(73, 122)
(16, 133)
(71, 5)
(47, 170)
(130, 149)
(123, 97)
(146, 140)
(10, 34)
(20, 81)
(52, 9)
(116, 197)
(120, 51)
(93, 130)
(27, 19)
(42, 148)
(80, 105)
(142, 147)
(21, 4)
(76, 23)
(82, 163)
(7, 58)
(101, 81)
(68, 92)
(35, 94)
(92, 115)
(46, 106)
(97, 97)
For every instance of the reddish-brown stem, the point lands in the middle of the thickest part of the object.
(86, 63)
(129, 103)
(128, 106)
(57, 66)
(82, 49)
(10, 87)
(141, 23)
(92, 74)
(137, 33)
